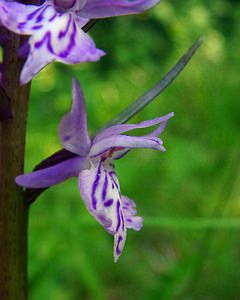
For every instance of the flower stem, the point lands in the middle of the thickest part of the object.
(13, 208)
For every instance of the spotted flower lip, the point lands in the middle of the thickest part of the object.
(94, 165)
(55, 29)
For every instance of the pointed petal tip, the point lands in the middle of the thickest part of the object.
(115, 258)
(163, 149)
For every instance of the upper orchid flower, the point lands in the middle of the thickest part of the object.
(56, 28)
(94, 166)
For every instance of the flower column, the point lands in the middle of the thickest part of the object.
(13, 209)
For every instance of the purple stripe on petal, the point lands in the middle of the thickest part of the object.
(46, 38)
(123, 227)
(41, 15)
(34, 13)
(53, 17)
(118, 251)
(111, 174)
(118, 216)
(4, 9)
(71, 43)
(62, 33)
(105, 186)
(95, 185)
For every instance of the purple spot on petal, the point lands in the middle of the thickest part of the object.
(108, 203)
(67, 138)
(21, 25)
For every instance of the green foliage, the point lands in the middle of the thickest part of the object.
(194, 184)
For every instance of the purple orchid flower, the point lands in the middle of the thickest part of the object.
(94, 166)
(56, 29)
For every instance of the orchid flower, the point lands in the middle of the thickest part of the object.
(94, 165)
(56, 31)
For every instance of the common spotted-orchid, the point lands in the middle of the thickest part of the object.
(94, 166)
(56, 31)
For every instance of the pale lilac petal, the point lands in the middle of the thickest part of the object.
(25, 19)
(54, 36)
(73, 131)
(107, 147)
(109, 8)
(99, 188)
(118, 129)
(60, 40)
(53, 175)
(129, 212)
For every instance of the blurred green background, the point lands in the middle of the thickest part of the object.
(189, 247)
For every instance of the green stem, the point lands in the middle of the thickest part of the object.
(13, 208)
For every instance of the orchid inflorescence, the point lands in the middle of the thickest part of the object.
(55, 30)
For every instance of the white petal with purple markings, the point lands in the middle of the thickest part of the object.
(100, 190)
(55, 36)
(61, 39)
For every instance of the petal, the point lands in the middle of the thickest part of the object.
(107, 147)
(109, 8)
(73, 126)
(118, 129)
(55, 36)
(99, 188)
(25, 19)
(60, 40)
(53, 175)
(129, 212)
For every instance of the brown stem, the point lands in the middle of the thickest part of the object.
(13, 208)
